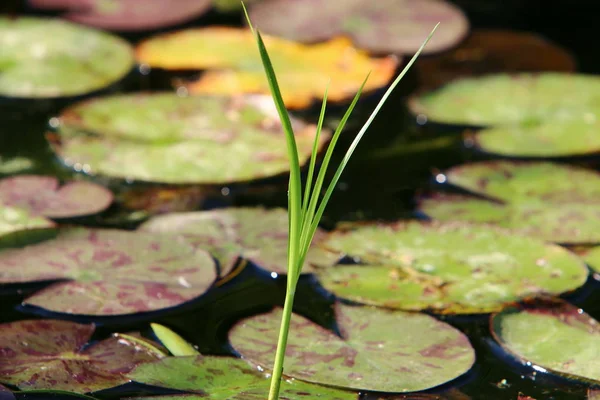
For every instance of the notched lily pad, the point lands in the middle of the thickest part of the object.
(109, 272)
(49, 58)
(51, 354)
(448, 268)
(552, 334)
(233, 64)
(553, 202)
(166, 138)
(380, 350)
(126, 15)
(257, 234)
(41, 195)
(382, 26)
(223, 378)
(504, 99)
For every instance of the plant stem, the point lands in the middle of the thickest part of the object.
(282, 342)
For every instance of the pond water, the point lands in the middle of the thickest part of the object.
(395, 162)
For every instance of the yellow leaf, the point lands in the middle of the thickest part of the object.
(233, 64)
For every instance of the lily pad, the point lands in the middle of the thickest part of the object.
(171, 139)
(126, 15)
(223, 378)
(258, 234)
(109, 272)
(554, 335)
(507, 99)
(382, 26)
(14, 165)
(233, 64)
(51, 354)
(15, 220)
(449, 268)
(592, 258)
(554, 202)
(380, 350)
(49, 58)
(487, 51)
(41, 195)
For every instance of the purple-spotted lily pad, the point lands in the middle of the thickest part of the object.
(224, 378)
(551, 334)
(171, 139)
(41, 195)
(380, 350)
(554, 202)
(126, 15)
(382, 26)
(257, 234)
(51, 354)
(449, 268)
(520, 99)
(110, 272)
(49, 58)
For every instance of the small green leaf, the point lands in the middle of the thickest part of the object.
(177, 345)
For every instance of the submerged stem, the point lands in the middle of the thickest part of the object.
(284, 328)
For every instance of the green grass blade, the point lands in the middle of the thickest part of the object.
(294, 188)
(313, 156)
(361, 133)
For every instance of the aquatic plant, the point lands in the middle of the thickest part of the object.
(305, 209)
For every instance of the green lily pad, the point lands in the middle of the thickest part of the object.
(449, 268)
(171, 139)
(14, 220)
(48, 58)
(553, 202)
(51, 354)
(380, 350)
(552, 334)
(382, 26)
(592, 258)
(504, 99)
(260, 235)
(223, 378)
(109, 272)
(126, 15)
(41, 195)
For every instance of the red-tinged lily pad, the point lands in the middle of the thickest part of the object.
(487, 51)
(224, 378)
(447, 268)
(505, 99)
(126, 15)
(171, 139)
(50, 58)
(110, 272)
(232, 64)
(551, 334)
(51, 354)
(380, 350)
(554, 202)
(382, 26)
(260, 235)
(42, 195)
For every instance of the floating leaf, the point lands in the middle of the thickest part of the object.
(451, 268)
(223, 378)
(258, 234)
(50, 354)
(592, 258)
(551, 334)
(41, 195)
(234, 66)
(14, 220)
(487, 51)
(524, 98)
(382, 26)
(554, 202)
(171, 139)
(380, 350)
(51, 58)
(110, 272)
(175, 343)
(126, 15)
(14, 165)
